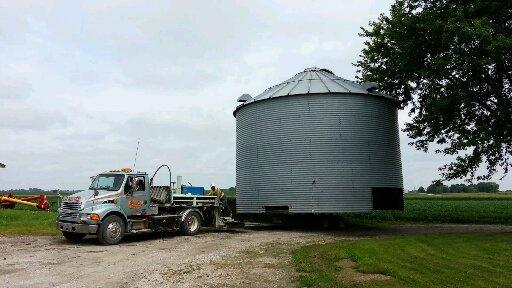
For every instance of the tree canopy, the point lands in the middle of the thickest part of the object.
(450, 64)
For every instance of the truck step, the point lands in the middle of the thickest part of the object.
(137, 220)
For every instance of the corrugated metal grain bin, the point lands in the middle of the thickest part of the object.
(318, 143)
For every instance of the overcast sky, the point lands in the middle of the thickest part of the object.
(80, 82)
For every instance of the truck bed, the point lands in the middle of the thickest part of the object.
(161, 195)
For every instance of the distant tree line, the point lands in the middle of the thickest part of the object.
(36, 191)
(482, 187)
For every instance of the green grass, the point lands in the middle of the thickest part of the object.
(460, 260)
(476, 210)
(27, 222)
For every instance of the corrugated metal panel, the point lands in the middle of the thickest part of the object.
(316, 153)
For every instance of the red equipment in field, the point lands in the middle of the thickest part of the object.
(9, 201)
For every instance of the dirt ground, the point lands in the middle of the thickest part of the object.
(257, 257)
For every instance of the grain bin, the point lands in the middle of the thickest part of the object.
(318, 143)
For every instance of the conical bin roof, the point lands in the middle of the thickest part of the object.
(314, 81)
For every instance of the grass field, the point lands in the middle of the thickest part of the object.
(27, 222)
(464, 260)
(476, 208)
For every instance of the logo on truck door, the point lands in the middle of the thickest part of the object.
(135, 204)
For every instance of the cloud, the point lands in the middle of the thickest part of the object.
(25, 117)
(14, 89)
(18, 114)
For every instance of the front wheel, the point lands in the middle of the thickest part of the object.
(73, 237)
(191, 224)
(111, 230)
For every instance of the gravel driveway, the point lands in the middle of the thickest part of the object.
(234, 258)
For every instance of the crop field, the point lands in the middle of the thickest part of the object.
(457, 260)
(470, 210)
(463, 208)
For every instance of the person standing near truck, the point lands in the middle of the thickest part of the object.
(215, 191)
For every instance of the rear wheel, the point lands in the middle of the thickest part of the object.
(191, 224)
(73, 237)
(111, 230)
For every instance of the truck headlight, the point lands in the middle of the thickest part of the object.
(84, 217)
(93, 217)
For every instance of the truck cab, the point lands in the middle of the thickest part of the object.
(121, 202)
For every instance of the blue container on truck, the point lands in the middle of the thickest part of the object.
(193, 190)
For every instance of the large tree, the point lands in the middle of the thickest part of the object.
(448, 63)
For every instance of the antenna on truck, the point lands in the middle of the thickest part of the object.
(136, 153)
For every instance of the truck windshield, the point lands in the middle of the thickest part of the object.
(109, 182)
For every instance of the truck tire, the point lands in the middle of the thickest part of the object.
(111, 230)
(191, 224)
(73, 237)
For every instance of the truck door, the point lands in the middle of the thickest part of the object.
(137, 196)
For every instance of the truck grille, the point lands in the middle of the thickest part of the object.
(70, 205)
(69, 209)
(68, 214)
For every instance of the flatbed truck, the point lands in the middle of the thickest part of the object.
(122, 202)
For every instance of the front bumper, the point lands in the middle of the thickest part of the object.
(77, 227)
